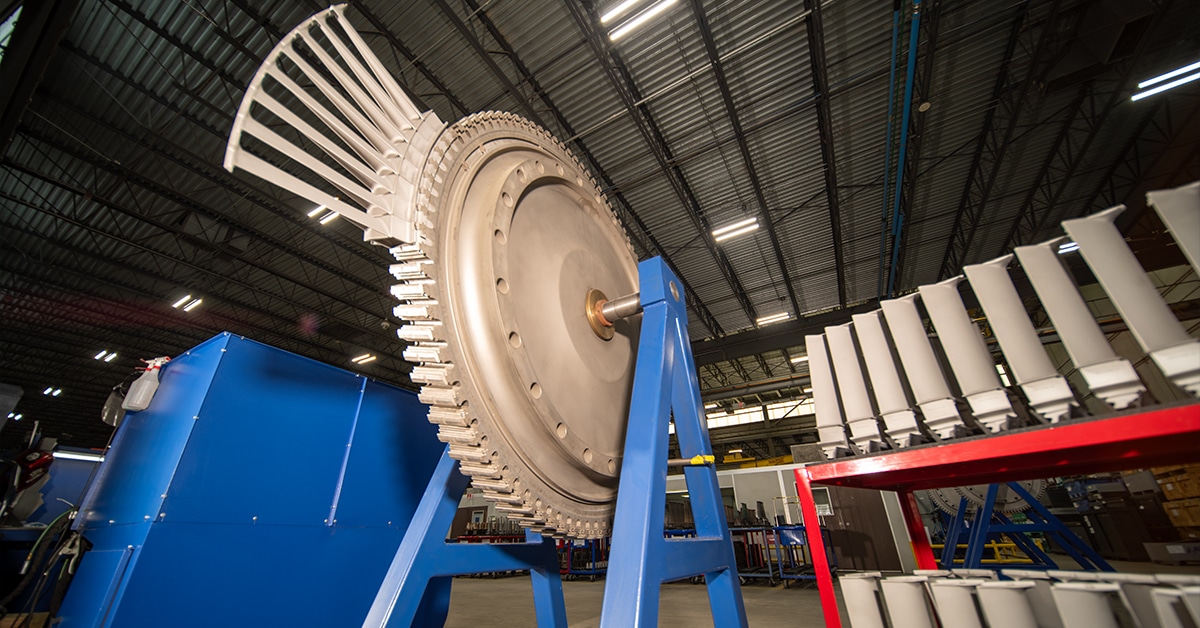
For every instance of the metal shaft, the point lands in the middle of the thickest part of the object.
(622, 307)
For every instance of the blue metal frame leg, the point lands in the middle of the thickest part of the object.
(955, 530)
(416, 589)
(641, 559)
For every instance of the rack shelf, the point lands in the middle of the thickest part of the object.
(1159, 436)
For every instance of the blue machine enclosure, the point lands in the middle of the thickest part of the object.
(259, 488)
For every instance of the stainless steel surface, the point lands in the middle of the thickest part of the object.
(530, 400)
(621, 307)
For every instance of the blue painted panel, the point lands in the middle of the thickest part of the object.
(68, 480)
(393, 455)
(94, 589)
(270, 440)
(205, 575)
(149, 442)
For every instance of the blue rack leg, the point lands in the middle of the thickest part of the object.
(1075, 547)
(953, 532)
(641, 559)
(416, 589)
(979, 530)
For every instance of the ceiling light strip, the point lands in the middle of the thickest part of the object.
(1166, 86)
(1172, 74)
(617, 11)
(642, 18)
(735, 233)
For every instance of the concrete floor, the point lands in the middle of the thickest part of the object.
(508, 602)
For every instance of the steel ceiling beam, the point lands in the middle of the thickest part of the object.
(527, 76)
(622, 81)
(174, 40)
(771, 337)
(35, 38)
(714, 59)
(814, 27)
(1097, 99)
(1009, 94)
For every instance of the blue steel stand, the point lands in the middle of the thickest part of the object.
(641, 559)
(416, 589)
(988, 521)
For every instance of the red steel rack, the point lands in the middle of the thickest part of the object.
(1160, 436)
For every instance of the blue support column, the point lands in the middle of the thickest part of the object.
(641, 559)
(416, 589)
(957, 524)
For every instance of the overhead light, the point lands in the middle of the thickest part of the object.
(800, 358)
(100, 355)
(1169, 75)
(78, 455)
(735, 451)
(1165, 86)
(736, 229)
(364, 358)
(16, 417)
(193, 305)
(105, 355)
(57, 392)
(773, 318)
(181, 301)
(617, 11)
(328, 218)
(642, 18)
(49, 389)
(110, 357)
(710, 406)
(313, 213)
(1067, 247)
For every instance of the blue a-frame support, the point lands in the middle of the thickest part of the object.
(641, 559)
(990, 521)
(665, 387)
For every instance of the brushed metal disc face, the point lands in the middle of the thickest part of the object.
(540, 401)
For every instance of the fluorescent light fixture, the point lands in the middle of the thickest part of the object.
(78, 455)
(100, 355)
(49, 389)
(57, 392)
(1067, 247)
(328, 218)
(1164, 87)
(193, 305)
(110, 357)
(642, 18)
(10, 415)
(735, 451)
(709, 406)
(16, 417)
(617, 11)
(181, 301)
(364, 358)
(1172, 74)
(800, 358)
(773, 318)
(735, 229)
(313, 213)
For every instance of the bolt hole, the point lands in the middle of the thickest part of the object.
(500, 237)
(587, 456)
(506, 199)
(514, 339)
(612, 465)
(561, 430)
(536, 390)
(502, 285)
(521, 175)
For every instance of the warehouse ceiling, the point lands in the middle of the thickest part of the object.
(115, 115)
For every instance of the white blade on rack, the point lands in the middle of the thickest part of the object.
(899, 420)
(1111, 377)
(856, 401)
(1006, 603)
(363, 142)
(1180, 211)
(831, 429)
(921, 367)
(1148, 317)
(1047, 390)
(955, 602)
(973, 366)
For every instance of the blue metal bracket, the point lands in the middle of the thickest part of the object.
(416, 589)
(988, 522)
(665, 386)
